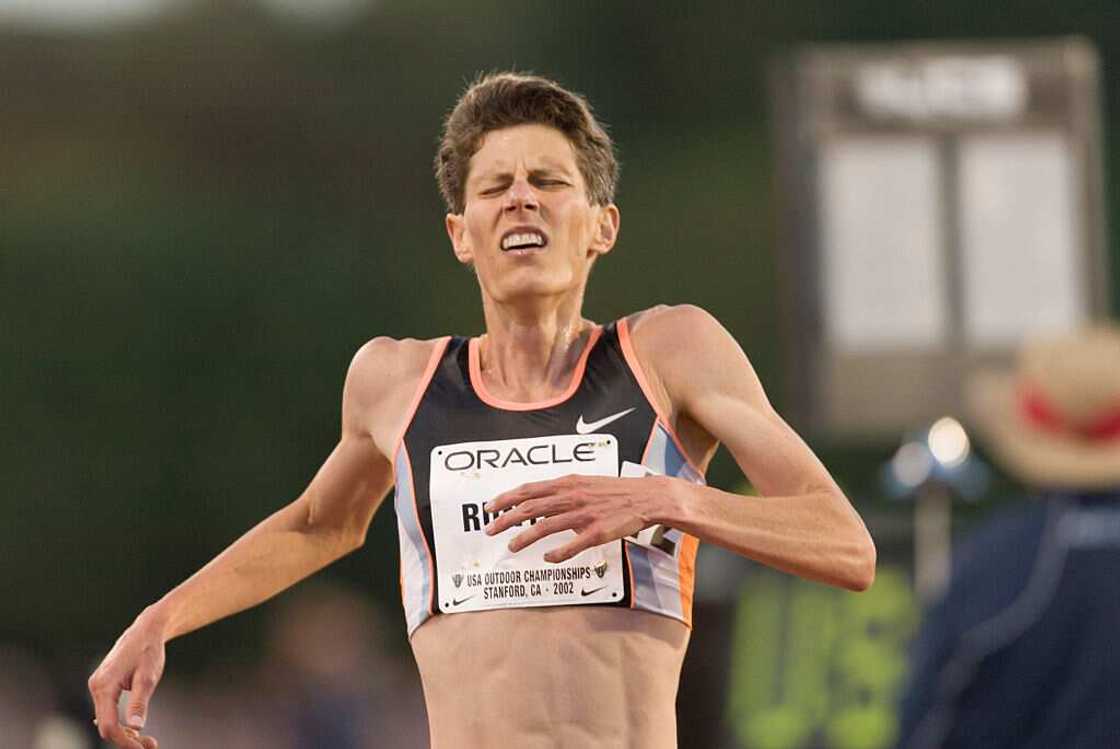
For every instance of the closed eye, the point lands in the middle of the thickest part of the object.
(500, 187)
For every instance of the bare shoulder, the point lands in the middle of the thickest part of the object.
(673, 326)
(381, 360)
(685, 348)
(383, 377)
(668, 337)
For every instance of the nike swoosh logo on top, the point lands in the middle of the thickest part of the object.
(593, 590)
(582, 427)
(457, 601)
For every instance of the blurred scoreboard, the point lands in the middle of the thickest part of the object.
(938, 203)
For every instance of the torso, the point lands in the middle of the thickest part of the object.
(567, 676)
(557, 676)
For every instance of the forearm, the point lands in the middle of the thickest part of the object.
(816, 536)
(277, 553)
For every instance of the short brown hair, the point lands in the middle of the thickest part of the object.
(499, 100)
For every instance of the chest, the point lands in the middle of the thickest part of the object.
(463, 447)
(603, 398)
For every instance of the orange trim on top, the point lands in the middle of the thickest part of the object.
(630, 570)
(686, 574)
(632, 360)
(480, 387)
(429, 371)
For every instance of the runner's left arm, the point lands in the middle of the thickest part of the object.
(801, 523)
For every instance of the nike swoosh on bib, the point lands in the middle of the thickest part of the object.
(582, 427)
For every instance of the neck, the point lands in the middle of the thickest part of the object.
(529, 352)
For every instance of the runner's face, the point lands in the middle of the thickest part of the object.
(528, 227)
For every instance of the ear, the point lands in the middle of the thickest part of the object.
(606, 229)
(460, 243)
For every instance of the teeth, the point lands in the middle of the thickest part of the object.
(526, 238)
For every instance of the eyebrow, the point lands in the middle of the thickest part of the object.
(505, 175)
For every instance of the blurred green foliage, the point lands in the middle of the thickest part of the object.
(201, 219)
(815, 666)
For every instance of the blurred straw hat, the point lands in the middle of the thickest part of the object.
(1055, 421)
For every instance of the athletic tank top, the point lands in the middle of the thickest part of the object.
(460, 447)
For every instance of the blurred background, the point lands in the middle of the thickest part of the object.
(206, 208)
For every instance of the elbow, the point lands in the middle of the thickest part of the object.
(338, 534)
(862, 571)
(348, 536)
(857, 552)
(356, 539)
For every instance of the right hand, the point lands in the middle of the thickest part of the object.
(135, 664)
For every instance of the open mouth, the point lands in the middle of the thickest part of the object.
(523, 239)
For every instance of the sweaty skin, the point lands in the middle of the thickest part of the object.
(576, 676)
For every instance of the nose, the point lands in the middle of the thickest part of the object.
(521, 196)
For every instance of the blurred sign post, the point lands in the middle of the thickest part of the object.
(939, 203)
(930, 468)
(933, 525)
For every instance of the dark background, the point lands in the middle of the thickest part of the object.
(203, 215)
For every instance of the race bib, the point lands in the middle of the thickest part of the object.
(477, 571)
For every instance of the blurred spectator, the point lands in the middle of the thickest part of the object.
(27, 696)
(60, 732)
(1021, 651)
(332, 677)
(337, 681)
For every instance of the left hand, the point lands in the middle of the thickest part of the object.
(598, 508)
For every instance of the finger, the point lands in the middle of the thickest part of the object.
(527, 510)
(149, 742)
(105, 694)
(124, 737)
(539, 530)
(552, 505)
(520, 494)
(143, 685)
(588, 538)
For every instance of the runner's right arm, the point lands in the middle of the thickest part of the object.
(327, 521)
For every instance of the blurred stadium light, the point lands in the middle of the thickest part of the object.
(320, 13)
(93, 15)
(80, 15)
(939, 203)
(932, 468)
